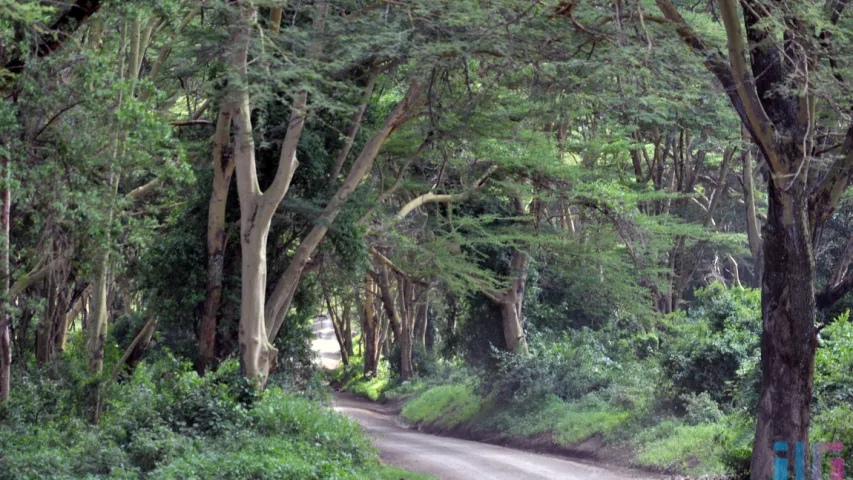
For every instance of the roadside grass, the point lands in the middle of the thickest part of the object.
(448, 405)
(673, 446)
(370, 388)
(668, 445)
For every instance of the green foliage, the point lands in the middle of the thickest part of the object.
(166, 422)
(700, 409)
(834, 363)
(677, 447)
(568, 368)
(706, 349)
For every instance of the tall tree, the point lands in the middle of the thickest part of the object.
(771, 75)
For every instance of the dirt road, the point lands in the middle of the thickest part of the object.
(448, 458)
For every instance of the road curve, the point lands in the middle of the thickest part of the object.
(448, 458)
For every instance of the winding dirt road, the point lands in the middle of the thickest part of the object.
(448, 458)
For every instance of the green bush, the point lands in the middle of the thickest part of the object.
(568, 368)
(700, 408)
(706, 349)
(166, 422)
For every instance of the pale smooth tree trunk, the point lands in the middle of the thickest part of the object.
(5, 319)
(285, 287)
(511, 301)
(98, 321)
(257, 355)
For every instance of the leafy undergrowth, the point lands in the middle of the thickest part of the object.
(166, 422)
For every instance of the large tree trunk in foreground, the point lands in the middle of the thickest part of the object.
(778, 110)
(257, 355)
(223, 168)
(788, 342)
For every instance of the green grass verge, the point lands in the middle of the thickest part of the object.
(667, 445)
(448, 405)
(674, 446)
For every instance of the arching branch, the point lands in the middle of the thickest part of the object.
(444, 198)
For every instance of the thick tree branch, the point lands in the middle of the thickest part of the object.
(444, 198)
(354, 126)
(62, 28)
(743, 97)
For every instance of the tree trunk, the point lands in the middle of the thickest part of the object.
(788, 340)
(223, 168)
(421, 322)
(337, 325)
(257, 355)
(511, 302)
(98, 321)
(409, 309)
(78, 307)
(285, 287)
(752, 229)
(5, 317)
(451, 316)
(397, 320)
(347, 319)
(370, 331)
(143, 339)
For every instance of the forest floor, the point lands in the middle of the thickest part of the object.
(449, 458)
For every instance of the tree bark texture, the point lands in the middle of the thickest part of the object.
(223, 168)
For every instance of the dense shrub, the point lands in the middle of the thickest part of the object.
(166, 422)
(706, 348)
(569, 368)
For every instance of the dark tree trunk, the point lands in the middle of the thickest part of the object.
(44, 328)
(408, 311)
(348, 329)
(370, 330)
(145, 336)
(223, 169)
(395, 317)
(421, 324)
(788, 340)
